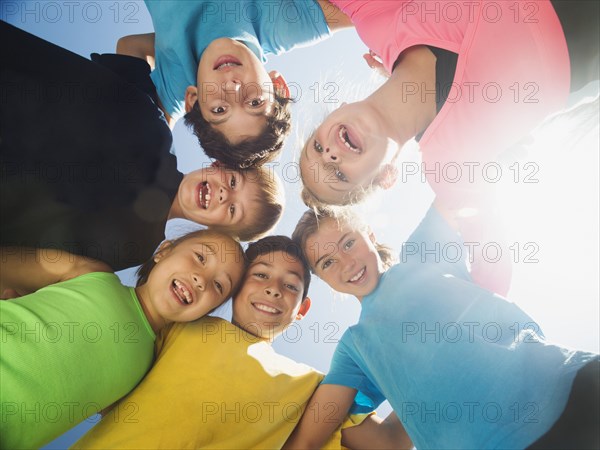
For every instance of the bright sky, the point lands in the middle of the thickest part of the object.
(553, 223)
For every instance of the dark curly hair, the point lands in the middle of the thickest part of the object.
(250, 152)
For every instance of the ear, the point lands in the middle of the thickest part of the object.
(163, 250)
(279, 84)
(191, 97)
(304, 307)
(387, 176)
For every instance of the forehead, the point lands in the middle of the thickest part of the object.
(280, 261)
(219, 245)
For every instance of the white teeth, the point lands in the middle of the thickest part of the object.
(343, 137)
(227, 64)
(265, 308)
(357, 276)
(182, 292)
(205, 198)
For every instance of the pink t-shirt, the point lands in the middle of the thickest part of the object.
(512, 71)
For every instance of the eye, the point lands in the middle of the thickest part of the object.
(260, 275)
(340, 176)
(219, 287)
(317, 147)
(218, 110)
(256, 102)
(232, 211)
(201, 258)
(349, 243)
(292, 287)
(232, 182)
(326, 264)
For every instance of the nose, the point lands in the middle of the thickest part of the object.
(330, 154)
(273, 291)
(348, 264)
(223, 194)
(233, 85)
(199, 281)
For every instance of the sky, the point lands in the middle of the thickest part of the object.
(550, 207)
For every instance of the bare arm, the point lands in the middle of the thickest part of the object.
(336, 19)
(326, 410)
(374, 433)
(139, 46)
(26, 270)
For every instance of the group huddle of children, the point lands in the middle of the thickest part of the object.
(164, 373)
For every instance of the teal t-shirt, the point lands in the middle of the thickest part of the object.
(68, 351)
(183, 29)
(460, 366)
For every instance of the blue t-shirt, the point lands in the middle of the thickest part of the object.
(183, 30)
(461, 366)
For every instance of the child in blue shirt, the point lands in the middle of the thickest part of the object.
(461, 366)
(208, 62)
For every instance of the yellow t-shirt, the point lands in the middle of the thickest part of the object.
(213, 386)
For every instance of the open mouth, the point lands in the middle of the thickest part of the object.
(204, 196)
(349, 139)
(181, 292)
(266, 308)
(359, 276)
(225, 62)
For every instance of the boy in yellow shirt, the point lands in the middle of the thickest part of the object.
(221, 385)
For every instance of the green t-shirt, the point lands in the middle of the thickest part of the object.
(68, 351)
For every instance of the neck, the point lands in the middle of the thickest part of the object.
(154, 319)
(175, 212)
(251, 331)
(407, 99)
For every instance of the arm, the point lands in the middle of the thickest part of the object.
(325, 411)
(139, 46)
(374, 433)
(335, 18)
(26, 270)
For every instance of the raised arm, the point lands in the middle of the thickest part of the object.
(26, 270)
(326, 410)
(375, 433)
(139, 46)
(335, 18)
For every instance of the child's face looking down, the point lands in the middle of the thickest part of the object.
(344, 153)
(235, 92)
(344, 257)
(271, 296)
(193, 277)
(218, 196)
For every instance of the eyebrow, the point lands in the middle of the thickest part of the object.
(327, 254)
(292, 272)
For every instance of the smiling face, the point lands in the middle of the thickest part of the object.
(234, 90)
(344, 153)
(192, 278)
(344, 257)
(217, 196)
(271, 295)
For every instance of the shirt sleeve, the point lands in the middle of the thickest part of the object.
(434, 241)
(291, 24)
(345, 372)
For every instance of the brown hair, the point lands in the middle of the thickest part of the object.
(144, 270)
(250, 152)
(310, 221)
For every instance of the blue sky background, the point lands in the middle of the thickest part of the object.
(557, 217)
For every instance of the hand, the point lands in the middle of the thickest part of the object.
(374, 62)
